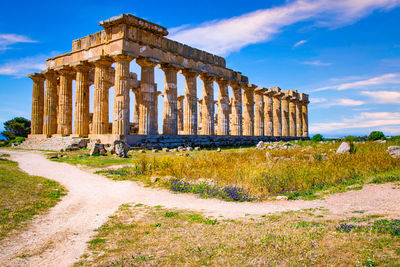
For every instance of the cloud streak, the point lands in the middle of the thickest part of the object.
(299, 43)
(383, 97)
(318, 63)
(6, 40)
(21, 67)
(229, 35)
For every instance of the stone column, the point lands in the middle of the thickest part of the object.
(200, 115)
(248, 113)
(156, 95)
(236, 126)
(268, 113)
(136, 106)
(147, 114)
(50, 104)
(190, 117)
(100, 124)
(121, 108)
(223, 108)
(207, 126)
(299, 122)
(285, 114)
(64, 118)
(170, 123)
(304, 109)
(180, 114)
(292, 115)
(259, 112)
(37, 103)
(81, 120)
(277, 114)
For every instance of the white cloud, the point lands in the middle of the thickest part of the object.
(23, 66)
(9, 39)
(229, 35)
(367, 120)
(299, 43)
(316, 63)
(383, 97)
(344, 102)
(317, 100)
(379, 81)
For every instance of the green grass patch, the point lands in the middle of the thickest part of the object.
(23, 196)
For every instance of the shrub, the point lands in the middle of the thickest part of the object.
(351, 138)
(317, 138)
(376, 135)
(18, 139)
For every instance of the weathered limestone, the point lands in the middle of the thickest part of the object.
(285, 113)
(207, 120)
(248, 113)
(37, 103)
(180, 114)
(100, 124)
(304, 110)
(120, 124)
(268, 113)
(147, 119)
(50, 104)
(259, 111)
(81, 116)
(292, 113)
(223, 108)
(200, 114)
(236, 120)
(64, 117)
(277, 114)
(190, 116)
(156, 95)
(170, 123)
(299, 121)
(136, 106)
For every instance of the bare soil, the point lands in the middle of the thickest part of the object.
(60, 237)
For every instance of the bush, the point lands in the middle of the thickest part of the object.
(376, 135)
(317, 138)
(351, 138)
(18, 139)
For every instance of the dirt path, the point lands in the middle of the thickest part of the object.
(59, 237)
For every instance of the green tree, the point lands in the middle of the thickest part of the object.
(376, 135)
(317, 138)
(16, 127)
(351, 138)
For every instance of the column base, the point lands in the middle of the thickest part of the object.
(78, 135)
(60, 135)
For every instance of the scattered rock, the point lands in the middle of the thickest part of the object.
(181, 148)
(394, 151)
(219, 149)
(154, 179)
(173, 150)
(165, 149)
(260, 145)
(154, 150)
(189, 149)
(142, 151)
(282, 198)
(54, 157)
(380, 141)
(344, 148)
(99, 149)
(197, 148)
(268, 155)
(120, 148)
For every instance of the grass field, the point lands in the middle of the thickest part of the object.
(138, 235)
(306, 170)
(22, 196)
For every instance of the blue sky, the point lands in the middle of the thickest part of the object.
(344, 53)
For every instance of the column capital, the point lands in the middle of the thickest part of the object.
(65, 70)
(82, 66)
(249, 87)
(181, 97)
(37, 77)
(235, 84)
(285, 96)
(221, 81)
(189, 72)
(159, 93)
(147, 62)
(170, 67)
(122, 57)
(50, 74)
(102, 61)
(206, 77)
(269, 92)
(260, 90)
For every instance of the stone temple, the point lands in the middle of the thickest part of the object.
(250, 114)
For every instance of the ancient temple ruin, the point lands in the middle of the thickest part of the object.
(251, 111)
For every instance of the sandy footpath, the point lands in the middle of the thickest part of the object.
(59, 237)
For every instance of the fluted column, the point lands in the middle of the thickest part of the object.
(304, 109)
(170, 123)
(207, 126)
(223, 108)
(200, 115)
(285, 114)
(156, 95)
(236, 121)
(136, 106)
(64, 118)
(190, 110)
(292, 115)
(121, 108)
(100, 124)
(50, 104)
(248, 113)
(299, 122)
(277, 114)
(82, 84)
(180, 113)
(268, 113)
(37, 103)
(147, 114)
(259, 112)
